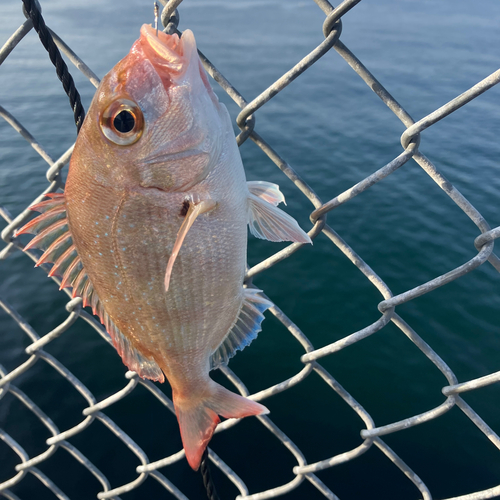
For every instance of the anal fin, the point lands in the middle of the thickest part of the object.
(245, 328)
(131, 357)
(268, 222)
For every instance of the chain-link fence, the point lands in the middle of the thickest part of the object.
(372, 435)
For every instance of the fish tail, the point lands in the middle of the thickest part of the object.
(198, 418)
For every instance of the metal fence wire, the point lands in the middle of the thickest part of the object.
(372, 435)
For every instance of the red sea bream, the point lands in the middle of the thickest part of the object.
(151, 230)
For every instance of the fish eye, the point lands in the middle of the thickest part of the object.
(122, 122)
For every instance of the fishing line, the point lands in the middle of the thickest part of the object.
(32, 9)
(207, 477)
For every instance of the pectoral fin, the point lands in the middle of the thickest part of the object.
(194, 210)
(268, 222)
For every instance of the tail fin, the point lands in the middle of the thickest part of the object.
(198, 419)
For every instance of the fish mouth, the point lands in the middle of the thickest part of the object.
(168, 52)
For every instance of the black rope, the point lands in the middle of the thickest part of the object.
(33, 11)
(207, 477)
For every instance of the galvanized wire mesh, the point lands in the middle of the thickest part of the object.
(372, 435)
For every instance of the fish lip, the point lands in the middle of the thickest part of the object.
(168, 51)
(166, 46)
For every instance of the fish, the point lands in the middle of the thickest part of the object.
(151, 230)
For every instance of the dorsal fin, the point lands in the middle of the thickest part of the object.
(245, 328)
(53, 236)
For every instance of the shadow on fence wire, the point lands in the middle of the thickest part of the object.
(372, 435)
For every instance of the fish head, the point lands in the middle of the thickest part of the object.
(155, 121)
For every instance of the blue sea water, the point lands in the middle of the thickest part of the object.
(334, 131)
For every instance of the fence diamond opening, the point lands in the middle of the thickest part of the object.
(372, 435)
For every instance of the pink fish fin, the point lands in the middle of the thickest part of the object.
(71, 274)
(50, 225)
(144, 367)
(87, 292)
(199, 418)
(55, 249)
(39, 223)
(194, 210)
(53, 236)
(268, 222)
(245, 328)
(267, 191)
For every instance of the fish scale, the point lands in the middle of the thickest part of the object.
(152, 229)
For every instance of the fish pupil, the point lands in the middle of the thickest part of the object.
(124, 121)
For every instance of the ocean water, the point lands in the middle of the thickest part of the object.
(334, 131)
